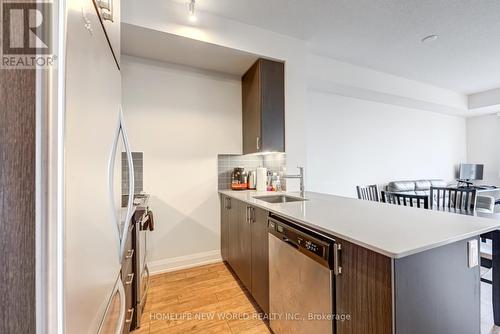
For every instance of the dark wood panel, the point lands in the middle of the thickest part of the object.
(244, 256)
(251, 105)
(232, 217)
(260, 259)
(273, 105)
(17, 201)
(224, 226)
(364, 291)
(437, 292)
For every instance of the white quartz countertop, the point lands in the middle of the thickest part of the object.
(391, 230)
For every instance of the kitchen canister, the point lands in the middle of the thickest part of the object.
(261, 179)
(252, 179)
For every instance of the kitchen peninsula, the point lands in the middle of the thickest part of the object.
(403, 270)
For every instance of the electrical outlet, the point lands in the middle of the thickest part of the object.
(473, 250)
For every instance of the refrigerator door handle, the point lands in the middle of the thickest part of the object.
(123, 307)
(121, 131)
(131, 183)
(118, 288)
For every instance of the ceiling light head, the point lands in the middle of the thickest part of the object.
(429, 38)
(192, 14)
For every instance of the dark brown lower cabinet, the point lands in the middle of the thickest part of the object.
(232, 234)
(260, 258)
(225, 215)
(363, 291)
(244, 246)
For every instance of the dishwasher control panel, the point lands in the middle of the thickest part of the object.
(307, 242)
(311, 246)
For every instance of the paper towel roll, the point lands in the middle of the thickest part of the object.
(261, 179)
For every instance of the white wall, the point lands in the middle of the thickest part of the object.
(352, 141)
(483, 145)
(181, 118)
(333, 76)
(171, 17)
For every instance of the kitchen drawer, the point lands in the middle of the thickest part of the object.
(127, 267)
(129, 249)
(128, 282)
(129, 279)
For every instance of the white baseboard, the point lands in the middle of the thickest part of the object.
(184, 262)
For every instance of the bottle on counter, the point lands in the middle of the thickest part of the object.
(274, 181)
(269, 181)
(278, 183)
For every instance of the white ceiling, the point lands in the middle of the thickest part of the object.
(385, 34)
(153, 44)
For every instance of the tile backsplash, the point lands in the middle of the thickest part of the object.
(137, 158)
(227, 162)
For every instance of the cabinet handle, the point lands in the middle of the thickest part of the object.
(252, 215)
(258, 143)
(247, 215)
(130, 253)
(131, 312)
(337, 269)
(130, 280)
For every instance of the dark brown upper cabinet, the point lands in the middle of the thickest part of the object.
(263, 93)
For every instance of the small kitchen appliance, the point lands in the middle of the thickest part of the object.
(239, 179)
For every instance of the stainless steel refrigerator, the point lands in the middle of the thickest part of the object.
(94, 139)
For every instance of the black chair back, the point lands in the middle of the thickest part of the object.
(419, 201)
(368, 193)
(460, 199)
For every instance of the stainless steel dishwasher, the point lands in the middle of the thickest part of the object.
(301, 285)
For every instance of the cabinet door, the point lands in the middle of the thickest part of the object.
(251, 104)
(244, 252)
(260, 261)
(363, 290)
(224, 227)
(232, 233)
(272, 88)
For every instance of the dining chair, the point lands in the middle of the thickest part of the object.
(368, 193)
(485, 204)
(460, 199)
(486, 256)
(419, 201)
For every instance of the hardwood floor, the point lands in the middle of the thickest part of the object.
(206, 299)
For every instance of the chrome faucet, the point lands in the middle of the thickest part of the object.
(298, 176)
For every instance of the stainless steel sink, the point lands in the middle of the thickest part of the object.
(279, 199)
